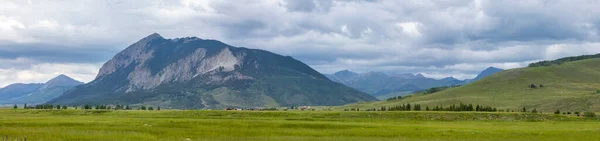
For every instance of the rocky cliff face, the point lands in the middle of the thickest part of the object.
(143, 55)
(210, 74)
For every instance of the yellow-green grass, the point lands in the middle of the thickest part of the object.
(176, 125)
(569, 87)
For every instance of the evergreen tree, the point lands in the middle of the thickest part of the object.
(58, 107)
(64, 107)
(25, 106)
(150, 108)
(534, 110)
(557, 112)
(15, 107)
(143, 108)
(158, 108)
(524, 110)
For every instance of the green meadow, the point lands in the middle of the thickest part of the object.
(196, 125)
(572, 86)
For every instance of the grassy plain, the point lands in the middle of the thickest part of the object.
(174, 125)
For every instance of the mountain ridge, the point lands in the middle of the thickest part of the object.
(36, 93)
(199, 73)
(383, 86)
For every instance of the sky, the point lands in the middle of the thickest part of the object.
(40, 39)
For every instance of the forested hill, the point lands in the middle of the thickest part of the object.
(563, 60)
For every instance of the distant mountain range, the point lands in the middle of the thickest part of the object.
(36, 93)
(196, 73)
(383, 85)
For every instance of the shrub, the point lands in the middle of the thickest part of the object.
(589, 114)
(598, 91)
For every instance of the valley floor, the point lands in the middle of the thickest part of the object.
(174, 125)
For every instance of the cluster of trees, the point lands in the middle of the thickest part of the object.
(403, 107)
(355, 109)
(584, 114)
(465, 107)
(437, 89)
(563, 60)
(457, 108)
(395, 98)
(43, 106)
(97, 107)
(428, 91)
(147, 108)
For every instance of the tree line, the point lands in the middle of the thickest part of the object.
(85, 107)
(563, 60)
(584, 114)
(456, 108)
(427, 91)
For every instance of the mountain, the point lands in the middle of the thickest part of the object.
(384, 86)
(38, 92)
(487, 72)
(197, 73)
(17, 90)
(62, 80)
(568, 86)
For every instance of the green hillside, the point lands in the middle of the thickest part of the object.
(571, 86)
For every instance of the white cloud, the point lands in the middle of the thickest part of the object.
(410, 28)
(41, 73)
(10, 29)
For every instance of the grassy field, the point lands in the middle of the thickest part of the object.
(571, 87)
(174, 125)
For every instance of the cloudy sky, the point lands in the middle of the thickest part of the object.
(40, 39)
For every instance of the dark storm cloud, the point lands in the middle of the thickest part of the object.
(53, 53)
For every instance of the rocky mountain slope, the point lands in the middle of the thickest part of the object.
(197, 73)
